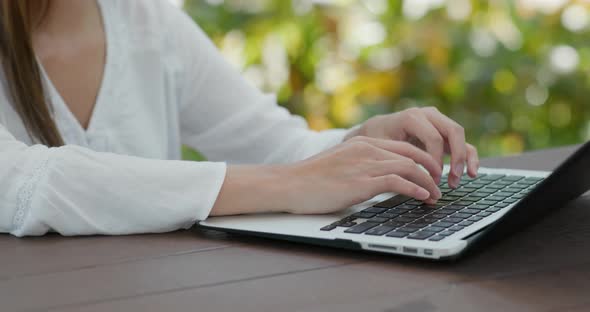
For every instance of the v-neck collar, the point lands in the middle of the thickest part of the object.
(62, 111)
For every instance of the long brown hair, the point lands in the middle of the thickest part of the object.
(18, 20)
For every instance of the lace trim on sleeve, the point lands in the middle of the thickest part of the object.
(26, 192)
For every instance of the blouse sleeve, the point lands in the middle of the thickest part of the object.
(225, 117)
(76, 191)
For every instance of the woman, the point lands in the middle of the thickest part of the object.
(98, 96)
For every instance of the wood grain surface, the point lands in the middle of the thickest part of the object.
(543, 268)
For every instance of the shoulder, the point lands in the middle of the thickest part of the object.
(158, 23)
(150, 17)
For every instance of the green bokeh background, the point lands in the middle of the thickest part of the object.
(490, 65)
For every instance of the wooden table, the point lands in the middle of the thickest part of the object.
(544, 268)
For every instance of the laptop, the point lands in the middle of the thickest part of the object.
(482, 210)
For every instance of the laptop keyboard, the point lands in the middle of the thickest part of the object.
(474, 200)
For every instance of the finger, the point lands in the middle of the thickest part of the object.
(410, 171)
(472, 161)
(455, 136)
(422, 129)
(397, 184)
(408, 151)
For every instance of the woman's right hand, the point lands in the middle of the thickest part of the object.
(347, 174)
(358, 170)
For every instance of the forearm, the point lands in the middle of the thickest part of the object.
(253, 189)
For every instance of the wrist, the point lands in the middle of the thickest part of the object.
(254, 189)
(352, 132)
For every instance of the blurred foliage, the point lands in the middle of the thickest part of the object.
(513, 73)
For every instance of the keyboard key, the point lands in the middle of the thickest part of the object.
(393, 201)
(436, 238)
(435, 228)
(328, 227)
(492, 177)
(388, 215)
(513, 189)
(422, 211)
(438, 215)
(445, 189)
(406, 229)
(380, 230)
(360, 228)
(421, 221)
(456, 228)
(493, 209)
(484, 214)
(475, 218)
(512, 178)
(487, 191)
(397, 234)
(470, 211)
(466, 223)
(461, 215)
(394, 224)
(375, 210)
(445, 211)
(501, 205)
(421, 235)
(446, 233)
(450, 197)
(347, 224)
(403, 219)
(430, 220)
(510, 200)
(454, 220)
(414, 226)
(444, 224)
(364, 215)
(404, 207)
(458, 193)
(487, 202)
(378, 220)
(478, 207)
(454, 207)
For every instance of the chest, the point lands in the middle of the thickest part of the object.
(77, 74)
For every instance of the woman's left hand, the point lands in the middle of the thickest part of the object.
(430, 130)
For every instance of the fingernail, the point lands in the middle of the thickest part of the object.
(459, 168)
(438, 193)
(453, 182)
(423, 194)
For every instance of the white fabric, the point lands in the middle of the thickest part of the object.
(164, 85)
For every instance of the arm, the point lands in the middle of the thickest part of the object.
(75, 191)
(225, 117)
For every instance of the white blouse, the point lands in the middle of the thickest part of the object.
(164, 85)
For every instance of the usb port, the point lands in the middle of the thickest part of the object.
(410, 250)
